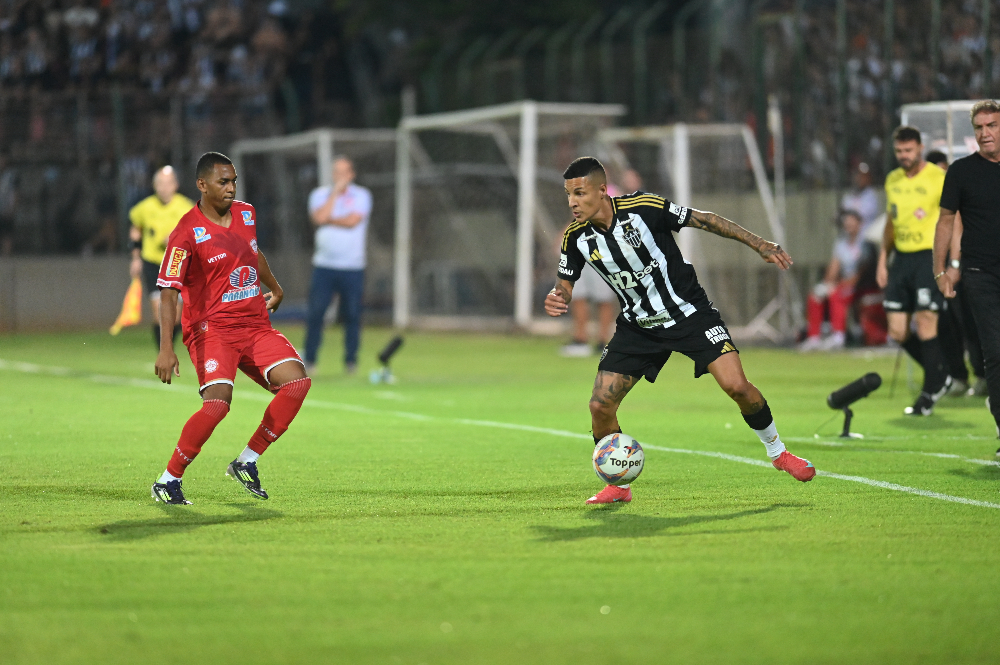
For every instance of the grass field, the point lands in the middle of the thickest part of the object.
(441, 520)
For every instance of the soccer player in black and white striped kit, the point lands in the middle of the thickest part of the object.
(629, 241)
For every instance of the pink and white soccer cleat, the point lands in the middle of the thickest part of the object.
(612, 494)
(801, 469)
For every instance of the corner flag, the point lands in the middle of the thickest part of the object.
(131, 313)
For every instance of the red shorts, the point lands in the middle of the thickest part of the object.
(218, 352)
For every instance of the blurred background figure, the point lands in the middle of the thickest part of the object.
(340, 212)
(591, 289)
(955, 328)
(862, 198)
(836, 293)
(153, 218)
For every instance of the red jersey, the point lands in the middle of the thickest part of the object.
(215, 269)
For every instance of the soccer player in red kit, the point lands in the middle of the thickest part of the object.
(213, 260)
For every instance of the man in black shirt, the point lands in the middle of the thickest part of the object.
(972, 188)
(629, 242)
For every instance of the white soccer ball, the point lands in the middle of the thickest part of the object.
(618, 459)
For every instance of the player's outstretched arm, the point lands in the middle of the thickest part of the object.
(267, 278)
(558, 299)
(720, 226)
(166, 361)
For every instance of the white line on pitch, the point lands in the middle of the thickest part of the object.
(144, 383)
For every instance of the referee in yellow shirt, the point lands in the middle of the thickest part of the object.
(913, 198)
(153, 219)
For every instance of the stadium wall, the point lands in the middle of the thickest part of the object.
(42, 294)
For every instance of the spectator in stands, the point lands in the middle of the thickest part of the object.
(340, 212)
(837, 290)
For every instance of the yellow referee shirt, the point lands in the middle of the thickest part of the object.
(914, 205)
(156, 221)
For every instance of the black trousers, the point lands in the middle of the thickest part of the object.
(982, 290)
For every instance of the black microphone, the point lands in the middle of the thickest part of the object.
(852, 392)
(390, 349)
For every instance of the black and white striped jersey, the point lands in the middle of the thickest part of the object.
(639, 258)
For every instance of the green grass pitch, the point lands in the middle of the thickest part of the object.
(416, 523)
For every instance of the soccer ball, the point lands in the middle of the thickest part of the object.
(618, 459)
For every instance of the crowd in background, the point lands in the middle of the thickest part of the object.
(96, 94)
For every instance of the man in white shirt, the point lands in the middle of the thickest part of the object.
(340, 213)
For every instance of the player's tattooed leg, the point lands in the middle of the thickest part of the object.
(728, 372)
(610, 389)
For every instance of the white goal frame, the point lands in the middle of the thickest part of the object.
(524, 163)
(786, 304)
(323, 141)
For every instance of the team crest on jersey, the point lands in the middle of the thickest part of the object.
(253, 245)
(200, 235)
(248, 218)
(632, 236)
(211, 365)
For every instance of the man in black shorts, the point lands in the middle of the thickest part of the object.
(629, 242)
(153, 219)
(913, 202)
(972, 188)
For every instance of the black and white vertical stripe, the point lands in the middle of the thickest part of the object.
(640, 276)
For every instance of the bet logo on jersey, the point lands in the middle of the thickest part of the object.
(200, 234)
(247, 218)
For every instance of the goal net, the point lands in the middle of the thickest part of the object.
(277, 174)
(945, 126)
(480, 211)
(716, 167)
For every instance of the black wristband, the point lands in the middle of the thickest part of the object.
(134, 244)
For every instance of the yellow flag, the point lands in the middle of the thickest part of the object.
(131, 313)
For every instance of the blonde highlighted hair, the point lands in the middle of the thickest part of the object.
(985, 106)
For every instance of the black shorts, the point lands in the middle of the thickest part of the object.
(150, 272)
(911, 286)
(634, 351)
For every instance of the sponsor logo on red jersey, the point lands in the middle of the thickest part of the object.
(200, 234)
(244, 282)
(247, 218)
(177, 256)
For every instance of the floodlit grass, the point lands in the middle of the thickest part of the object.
(417, 529)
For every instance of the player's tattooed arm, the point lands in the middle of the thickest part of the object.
(720, 226)
(610, 388)
(558, 299)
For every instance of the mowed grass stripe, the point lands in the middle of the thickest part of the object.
(260, 397)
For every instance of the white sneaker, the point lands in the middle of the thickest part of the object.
(576, 350)
(811, 344)
(834, 341)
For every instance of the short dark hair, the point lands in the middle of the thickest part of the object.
(207, 162)
(584, 167)
(936, 157)
(906, 133)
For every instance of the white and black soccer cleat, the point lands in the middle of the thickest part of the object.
(246, 475)
(170, 493)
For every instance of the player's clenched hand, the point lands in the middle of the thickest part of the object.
(167, 363)
(555, 304)
(273, 299)
(772, 253)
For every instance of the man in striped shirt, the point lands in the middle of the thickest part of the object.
(629, 241)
